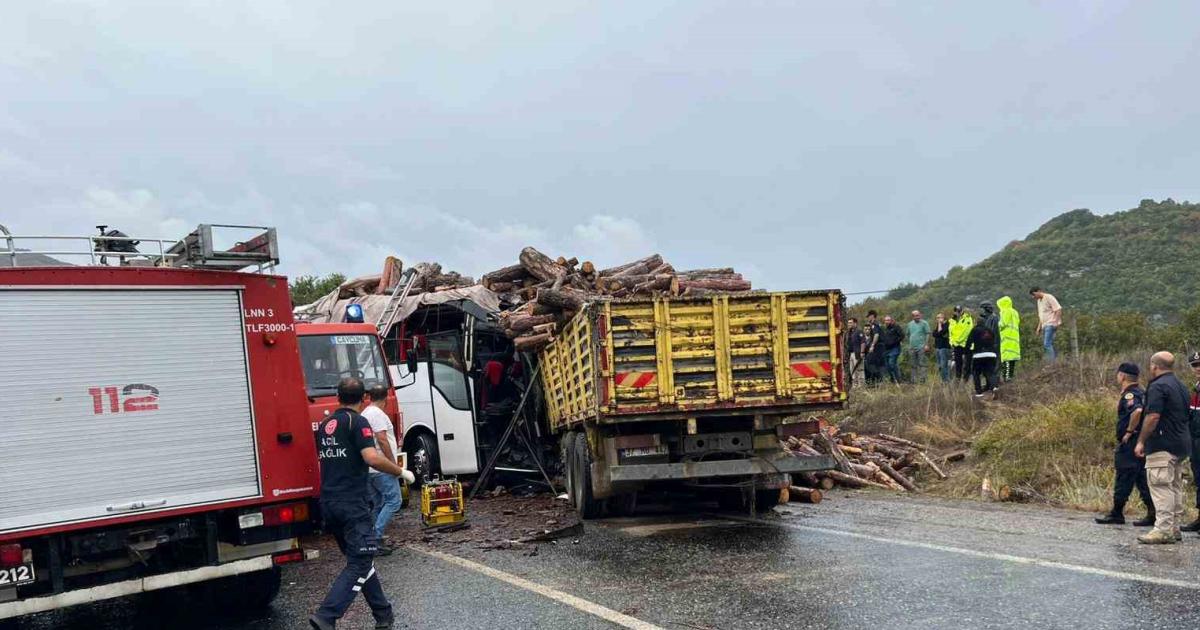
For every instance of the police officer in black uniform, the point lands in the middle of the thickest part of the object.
(1131, 469)
(346, 447)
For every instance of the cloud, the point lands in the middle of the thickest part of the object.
(352, 237)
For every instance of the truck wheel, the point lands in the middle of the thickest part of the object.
(586, 504)
(623, 504)
(422, 458)
(764, 500)
(568, 460)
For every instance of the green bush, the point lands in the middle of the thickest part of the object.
(1041, 446)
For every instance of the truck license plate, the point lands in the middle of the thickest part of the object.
(644, 452)
(16, 576)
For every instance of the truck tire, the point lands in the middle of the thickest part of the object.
(253, 591)
(422, 458)
(764, 500)
(623, 504)
(586, 504)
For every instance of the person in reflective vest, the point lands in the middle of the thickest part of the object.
(961, 324)
(1010, 338)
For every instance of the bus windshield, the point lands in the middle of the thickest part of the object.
(329, 358)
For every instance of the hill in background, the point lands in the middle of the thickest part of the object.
(1139, 261)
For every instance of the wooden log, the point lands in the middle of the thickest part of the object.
(716, 285)
(562, 299)
(900, 440)
(881, 477)
(929, 462)
(850, 450)
(511, 273)
(525, 323)
(540, 266)
(800, 494)
(877, 446)
(852, 481)
(664, 282)
(531, 343)
(826, 445)
(899, 478)
(501, 287)
(551, 328)
(642, 267)
(587, 268)
(664, 268)
(956, 456)
(863, 470)
(705, 273)
(649, 262)
(785, 495)
(802, 447)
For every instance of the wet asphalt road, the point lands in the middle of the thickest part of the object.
(858, 560)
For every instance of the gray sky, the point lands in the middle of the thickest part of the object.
(845, 144)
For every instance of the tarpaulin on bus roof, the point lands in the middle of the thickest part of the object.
(331, 309)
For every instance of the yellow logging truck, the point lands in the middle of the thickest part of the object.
(698, 391)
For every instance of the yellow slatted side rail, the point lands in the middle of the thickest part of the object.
(721, 336)
(781, 352)
(835, 330)
(662, 338)
(608, 351)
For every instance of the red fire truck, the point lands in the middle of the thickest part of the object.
(158, 434)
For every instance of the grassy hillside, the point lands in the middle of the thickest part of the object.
(1140, 261)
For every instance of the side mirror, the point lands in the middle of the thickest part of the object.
(411, 362)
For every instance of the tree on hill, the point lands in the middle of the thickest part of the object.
(309, 289)
(1140, 261)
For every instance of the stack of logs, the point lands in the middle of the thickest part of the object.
(878, 461)
(549, 292)
(430, 278)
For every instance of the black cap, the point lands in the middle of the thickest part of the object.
(1195, 358)
(1129, 368)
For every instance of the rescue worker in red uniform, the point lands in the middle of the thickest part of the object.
(346, 448)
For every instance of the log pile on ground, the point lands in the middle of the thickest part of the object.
(546, 292)
(879, 461)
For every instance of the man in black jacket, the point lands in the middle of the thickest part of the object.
(984, 346)
(891, 338)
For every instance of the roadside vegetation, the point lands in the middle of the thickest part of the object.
(1048, 436)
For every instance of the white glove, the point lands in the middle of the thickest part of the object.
(408, 477)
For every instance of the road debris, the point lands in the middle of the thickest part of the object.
(878, 461)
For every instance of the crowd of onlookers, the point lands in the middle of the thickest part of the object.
(983, 346)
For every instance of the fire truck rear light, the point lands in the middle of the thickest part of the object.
(253, 519)
(285, 514)
(288, 557)
(12, 555)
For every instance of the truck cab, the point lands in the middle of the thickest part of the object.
(330, 352)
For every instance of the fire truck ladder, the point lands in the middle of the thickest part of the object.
(403, 288)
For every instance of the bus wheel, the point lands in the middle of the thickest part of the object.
(421, 458)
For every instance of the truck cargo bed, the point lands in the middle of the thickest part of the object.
(727, 354)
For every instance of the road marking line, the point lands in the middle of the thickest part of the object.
(1052, 564)
(607, 614)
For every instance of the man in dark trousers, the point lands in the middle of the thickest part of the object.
(984, 345)
(1164, 442)
(1194, 360)
(346, 448)
(872, 350)
(891, 338)
(853, 351)
(1131, 470)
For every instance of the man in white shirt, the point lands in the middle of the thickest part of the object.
(385, 488)
(1049, 319)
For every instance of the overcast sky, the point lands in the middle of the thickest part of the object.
(847, 144)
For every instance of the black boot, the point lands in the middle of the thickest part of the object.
(1194, 526)
(1147, 521)
(1112, 518)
